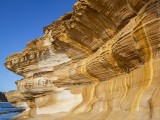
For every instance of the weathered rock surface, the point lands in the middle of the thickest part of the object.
(100, 62)
(17, 99)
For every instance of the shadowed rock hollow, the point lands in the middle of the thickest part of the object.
(99, 62)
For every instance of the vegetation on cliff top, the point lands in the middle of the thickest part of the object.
(3, 97)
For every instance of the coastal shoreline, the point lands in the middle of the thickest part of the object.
(7, 111)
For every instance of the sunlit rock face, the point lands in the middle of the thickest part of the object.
(99, 62)
(17, 99)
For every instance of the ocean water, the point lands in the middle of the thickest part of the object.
(7, 111)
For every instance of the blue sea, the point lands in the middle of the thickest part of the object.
(7, 111)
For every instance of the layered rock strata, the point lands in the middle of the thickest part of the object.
(16, 99)
(101, 62)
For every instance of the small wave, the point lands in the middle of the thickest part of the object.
(7, 111)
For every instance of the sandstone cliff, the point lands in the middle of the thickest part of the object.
(99, 62)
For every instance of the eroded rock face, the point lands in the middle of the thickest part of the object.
(101, 62)
(17, 99)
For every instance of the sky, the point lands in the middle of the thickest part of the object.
(20, 22)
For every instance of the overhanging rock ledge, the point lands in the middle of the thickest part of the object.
(99, 62)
